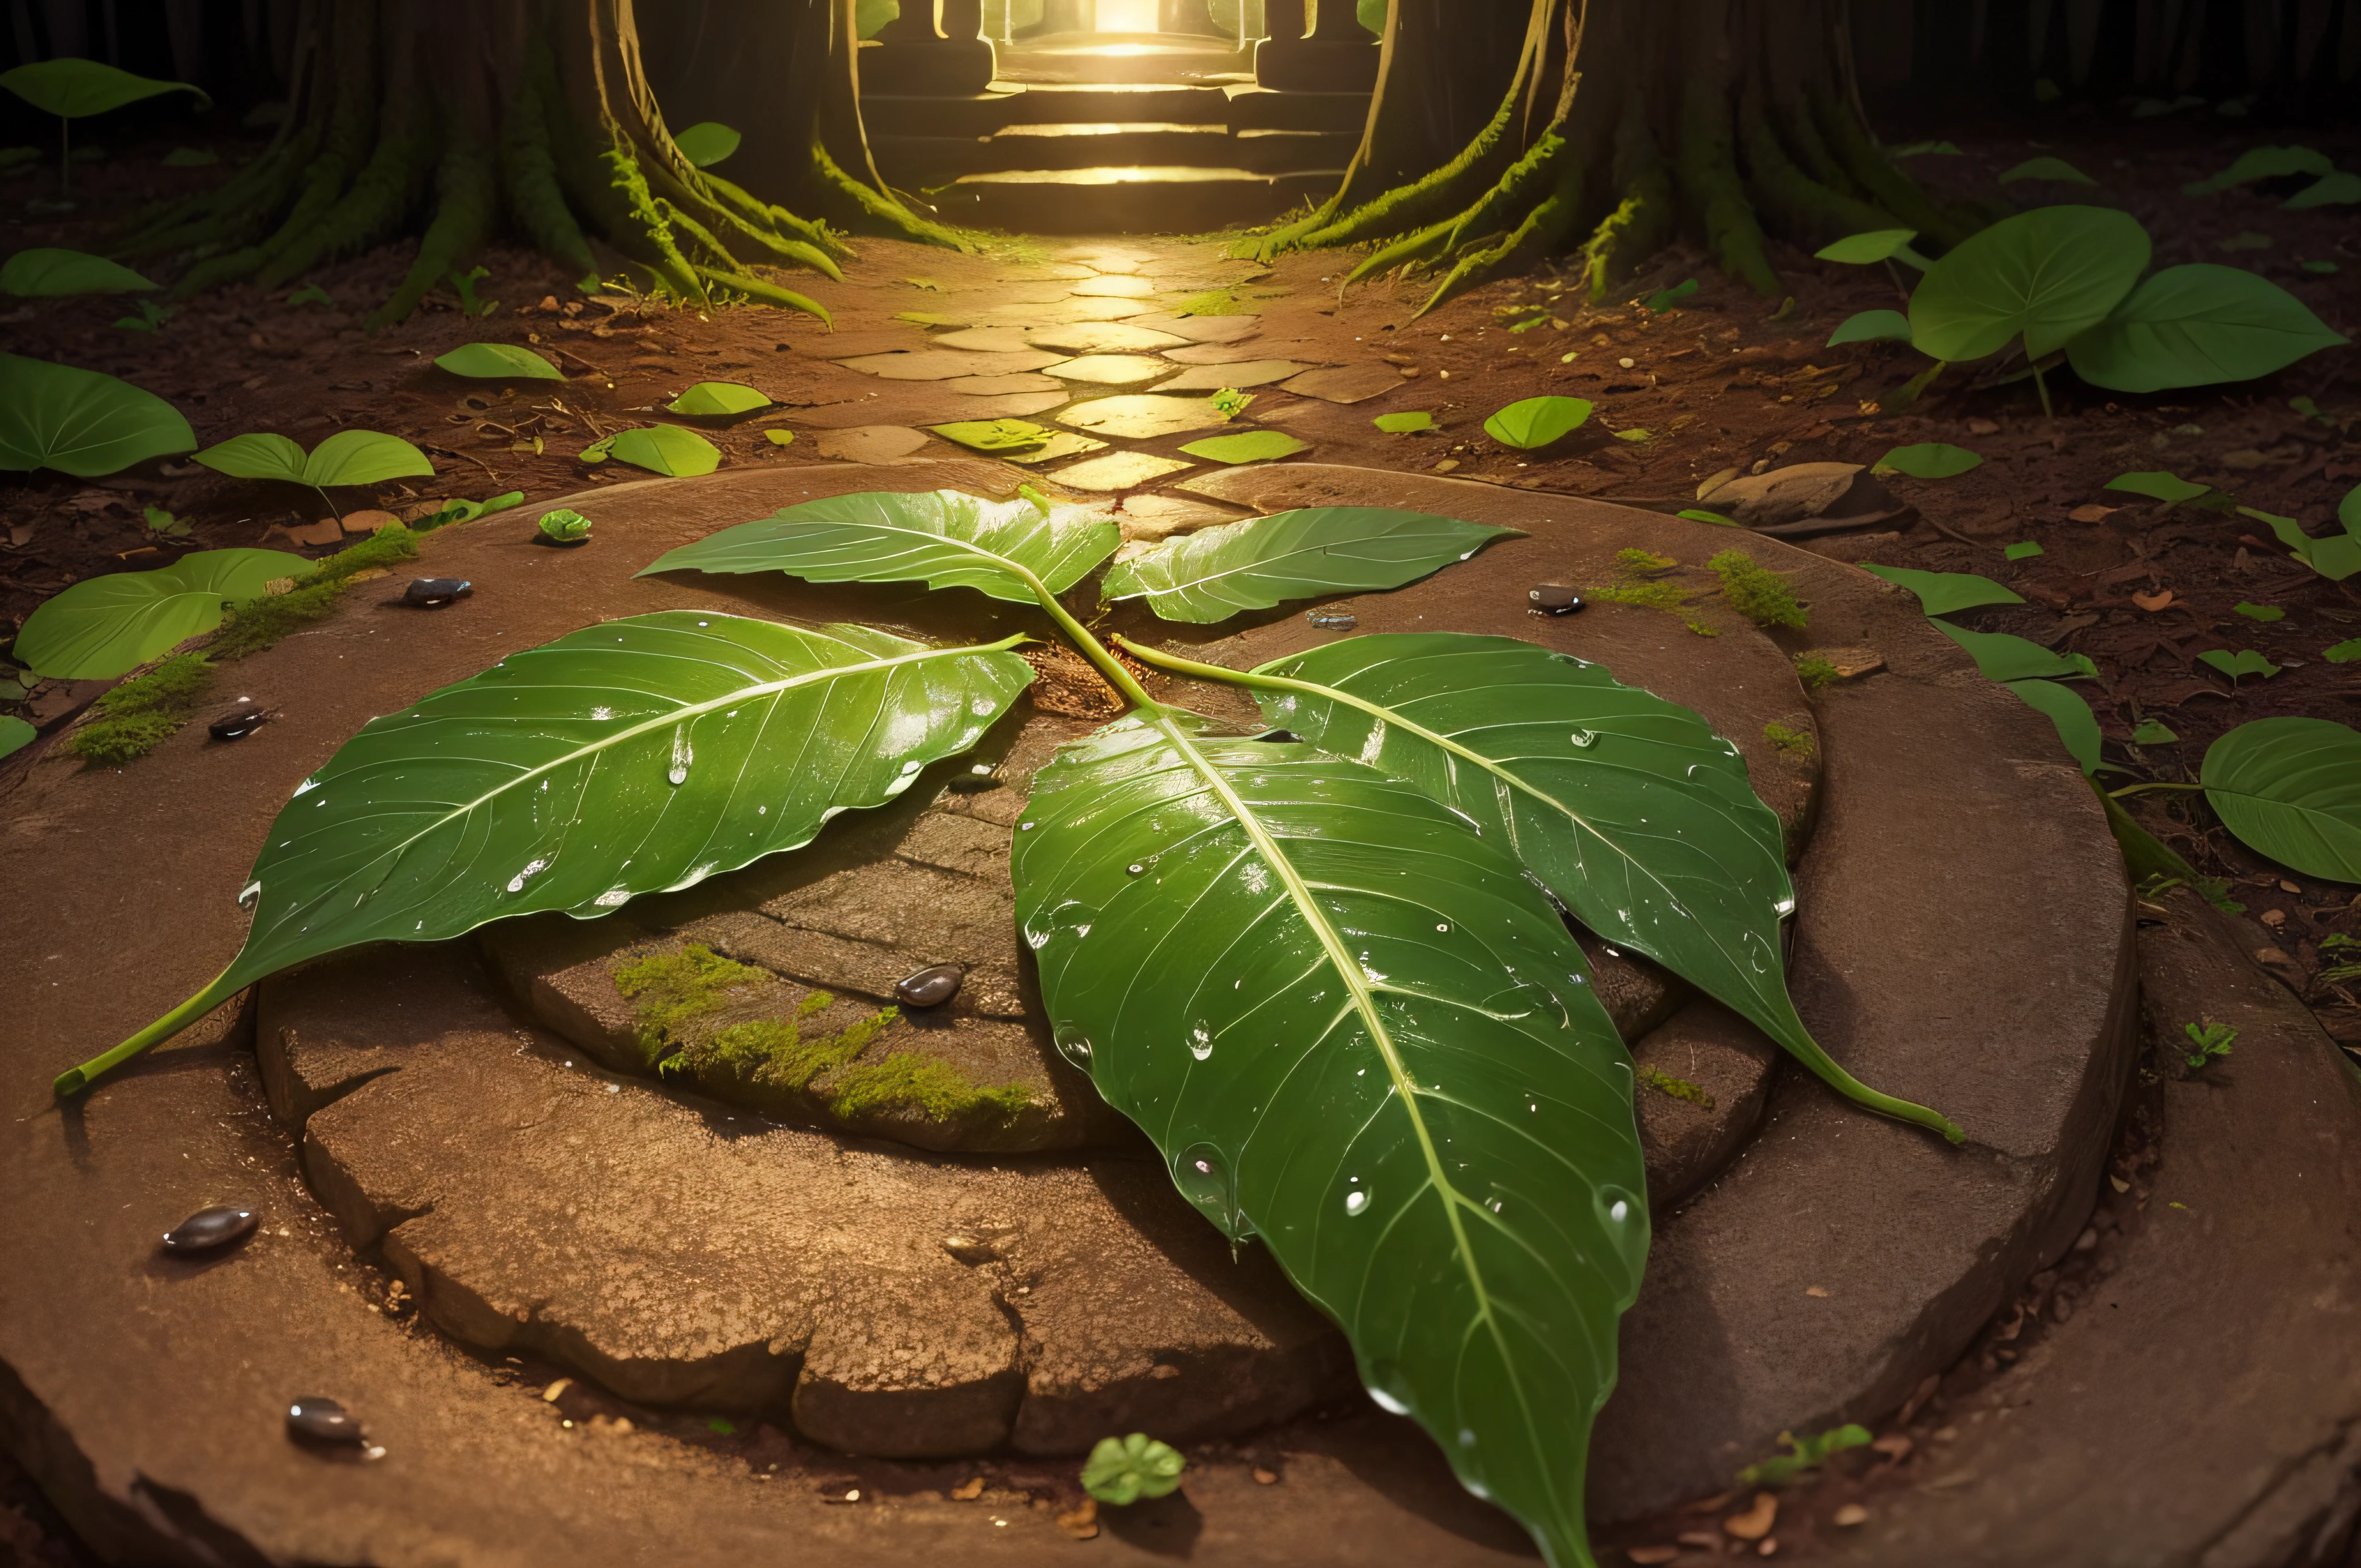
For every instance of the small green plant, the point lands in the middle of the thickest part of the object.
(1807, 1453)
(1121, 1470)
(1760, 595)
(74, 89)
(1795, 743)
(463, 285)
(564, 526)
(2208, 1044)
(312, 294)
(1664, 1083)
(1663, 300)
(2339, 969)
(142, 713)
(348, 457)
(152, 317)
(1636, 585)
(1815, 671)
(164, 525)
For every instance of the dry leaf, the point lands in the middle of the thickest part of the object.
(2092, 513)
(2155, 601)
(1755, 1522)
(1894, 1445)
(1084, 1522)
(1852, 1514)
(1820, 1291)
(1265, 1478)
(969, 1490)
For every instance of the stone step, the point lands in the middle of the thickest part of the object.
(924, 162)
(1049, 102)
(1132, 199)
(1260, 109)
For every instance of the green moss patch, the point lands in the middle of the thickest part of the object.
(1756, 593)
(142, 713)
(1795, 743)
(256, 623)
(1815, 672)
(1678, 1088)
(1638, 584)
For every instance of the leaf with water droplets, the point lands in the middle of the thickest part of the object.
(1212, 574)
(1628, 808)
(638, 756)
(1355, 1029)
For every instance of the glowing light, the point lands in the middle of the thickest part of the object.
(1125, 16)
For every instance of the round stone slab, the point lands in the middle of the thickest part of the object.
(1113, 370)
(1143, 416)
(1102, 337)
(1243, 373)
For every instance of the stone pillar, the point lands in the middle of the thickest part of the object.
(931, 50)
(1340, 56)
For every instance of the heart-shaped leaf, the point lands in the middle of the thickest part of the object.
(74, 88)
(81, 423)
(1293, 972)
(1628, 808)
(2191, 326)
(1927, 460)
(2077, 726)
(2262, 163)
(1248, 446)
(102, 627)
(638, 756)
(665, 449)
(2291, 788)
(715, 398)
(1872, 326)
(941, 537)
(1864, 249)
(1941, 593)
(2335, 556)
(2002, 657)
(708, 143)
(1534, 422)
(348, 457)
(1209, 576)
(2244, 662)
(2046, 169)
(2154, 482)
(498, 362)
(257, 454)
(49, 272)
(2045, 276)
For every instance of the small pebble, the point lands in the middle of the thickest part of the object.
(316, 1420)
(209, 1228)
(1553, 598)
(433, 593)
(238, 723)
(929, 987)
(1852, 1514)
(1330, 621)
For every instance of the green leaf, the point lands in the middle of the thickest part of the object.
(2046, 169)
(1405, 423)
(942, 538)
(2077, 726)
(708, 143)
(2189, 326)
(102, 627)
(311, 294)
(2154, 732)
(995, 434)
(1865, 249)
(641, 755)
(1872, 326)
(363, 457)
(2023, 549)
(1699, 514)
(1248, 446)
(1203, 577)
(81, 423)
(2317, 266)
(1810, 1453)
(565, 525)
(1554, 759)
(2336, 556)
(2046, 276)
(16, 735)
(2170, 488)
(462, 509)
(2002, 657)
(256, 455)
(1534, 422)
(715, 398)
(2346, 652)
(498, 362)
(1941, 593)
(1663, 300)
(780, 437)
(49, 272)
(2260, 611)
(2244, 662)
(1927, 460)
(2262, 163)
(1440, 1153)
(2339, 189)
(1121, 1470)
(73, 88)
(2291, 788)
(665, 449)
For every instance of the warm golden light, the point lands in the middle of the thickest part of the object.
(1125, 16)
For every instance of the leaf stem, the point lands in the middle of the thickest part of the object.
(74, 1080)
(1087, 645)
(2135, 789)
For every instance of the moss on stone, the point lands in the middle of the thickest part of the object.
(906, 1082)
(1636, 585)
(255, 624)
(1815, 672)
(142, 713)
(1678, 1088)
(1758, 593)
(1796, 743)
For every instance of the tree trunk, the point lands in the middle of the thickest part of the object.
(1625, 123)
(538, 111)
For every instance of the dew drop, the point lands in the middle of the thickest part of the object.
(1389, 1387)
(1072, 1044)
(1358, 1201)
(1201, 1042)
(246, 894)
(516, 882)
(1135, 869)
(1443, 924)
(612, 897)
(1584, 737)
(683, 754)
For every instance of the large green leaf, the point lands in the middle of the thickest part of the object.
(2045, 276)
(1871, 327)
(708, 143)
(1531, 424)
(1355, 1029)
(72, 88)
(942, 538)
(100, 627)
(49, 272)
(498, 362)
(2291, 788)
(710, 399)
(2335, 556)
(1211, 576)
(348, 457)
(1628, 808)
(2077, 726)
(637, 756)
(16, 735)
(79, 422)
(1941, 593)
(2002, 656)
(2191, 326)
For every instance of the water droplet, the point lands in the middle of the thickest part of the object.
(1358, 1201)
(246, 894)
(683, 754)
(1388, 1384)
(929, 987)
(1330, 621)
(1135, 868)
(433, 593)
(1201, 1042)
(1203, 1173)
(516, 882)
(306, 787)
(1584, 737)
(1024, 826)
(1466, 1437)
(1619, 1211)
(1443, 924)
(209, 1228)
(612, 897)
(316, 1420)
(1785, 906)
(1072, 1044)
(1553, 598)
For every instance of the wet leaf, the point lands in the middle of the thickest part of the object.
(47, 273)
(942, 538)
(716, 398)
(1204, 577)
(2291, 788)
(2045, 277)
(2193, 326)
(708, 143)
(73, 88)
(1941, 593)
(1440, 1153)
(1248, 446)
(498, 362)
(665, 449)
(1927, 460)
(1534, 422)
(103, 627)
(81, 423)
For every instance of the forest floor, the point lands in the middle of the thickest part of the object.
(1722, 380)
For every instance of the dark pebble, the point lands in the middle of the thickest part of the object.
(316, 1420)
(433, 593)
(209, 1228)
(1554, 598)
(238, 723)
(929, 987)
